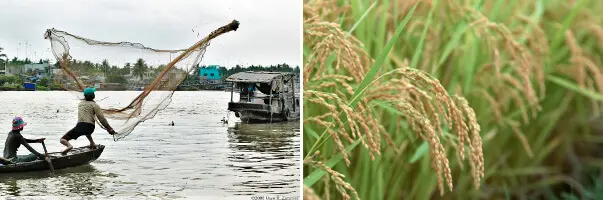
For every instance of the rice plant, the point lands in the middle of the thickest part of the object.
(466, 99)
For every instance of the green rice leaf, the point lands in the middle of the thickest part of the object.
(381, 59)
(419, 153)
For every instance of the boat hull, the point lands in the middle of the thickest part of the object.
(76, 157)
(251, 116)
(258, 113)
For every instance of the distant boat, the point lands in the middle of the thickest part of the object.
(29, 86)
(265, 97)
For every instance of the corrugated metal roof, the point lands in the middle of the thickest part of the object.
(257, 77)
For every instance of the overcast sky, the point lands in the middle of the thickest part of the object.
(269, 33)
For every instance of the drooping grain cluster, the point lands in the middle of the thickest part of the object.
(475, 144)
(333, 42)
(338, 63)
(329, 40)
(524, 65)
(309, 194)
(583, 69)
(514, 80)
(423, 102)
(335, 176)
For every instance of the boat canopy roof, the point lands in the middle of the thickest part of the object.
(257, 76)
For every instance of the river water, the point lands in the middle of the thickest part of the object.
(198, 158)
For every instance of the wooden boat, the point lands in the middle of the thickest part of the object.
(264, 97)
(76, 157)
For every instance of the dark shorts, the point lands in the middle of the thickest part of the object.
(82, 128)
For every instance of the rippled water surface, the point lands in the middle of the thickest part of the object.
(197, 158)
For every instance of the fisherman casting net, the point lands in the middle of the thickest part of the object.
(85, 63)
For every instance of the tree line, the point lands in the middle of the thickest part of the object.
(139, 68)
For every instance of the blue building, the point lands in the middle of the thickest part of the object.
(211, 72)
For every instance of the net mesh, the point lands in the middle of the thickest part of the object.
(85, 62)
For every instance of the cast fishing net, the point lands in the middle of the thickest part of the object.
(85, 62)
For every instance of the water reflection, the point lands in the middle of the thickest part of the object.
(11, 188)
(264, 150)
(78, 181)
(271, 138)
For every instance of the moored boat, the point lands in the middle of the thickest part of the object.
(264, 96)
(76, 157)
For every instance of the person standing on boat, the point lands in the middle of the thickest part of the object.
(15, 140)
(87, 110)
(251, 92)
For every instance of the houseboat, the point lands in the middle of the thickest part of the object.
(264, 97)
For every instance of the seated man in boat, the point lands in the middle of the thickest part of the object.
(15, 140)
(87, 110)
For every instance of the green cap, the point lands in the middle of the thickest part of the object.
(89, 91)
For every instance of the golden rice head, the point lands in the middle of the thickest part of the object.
(326, 38)
(526, 65)
(337, 178)
(584, 70)
(309, 194)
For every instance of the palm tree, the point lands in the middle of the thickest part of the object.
(139, 69)
(105, 66)
(126, 69)
(5, 61)
(3, 55)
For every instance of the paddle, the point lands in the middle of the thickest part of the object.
(47, 158)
